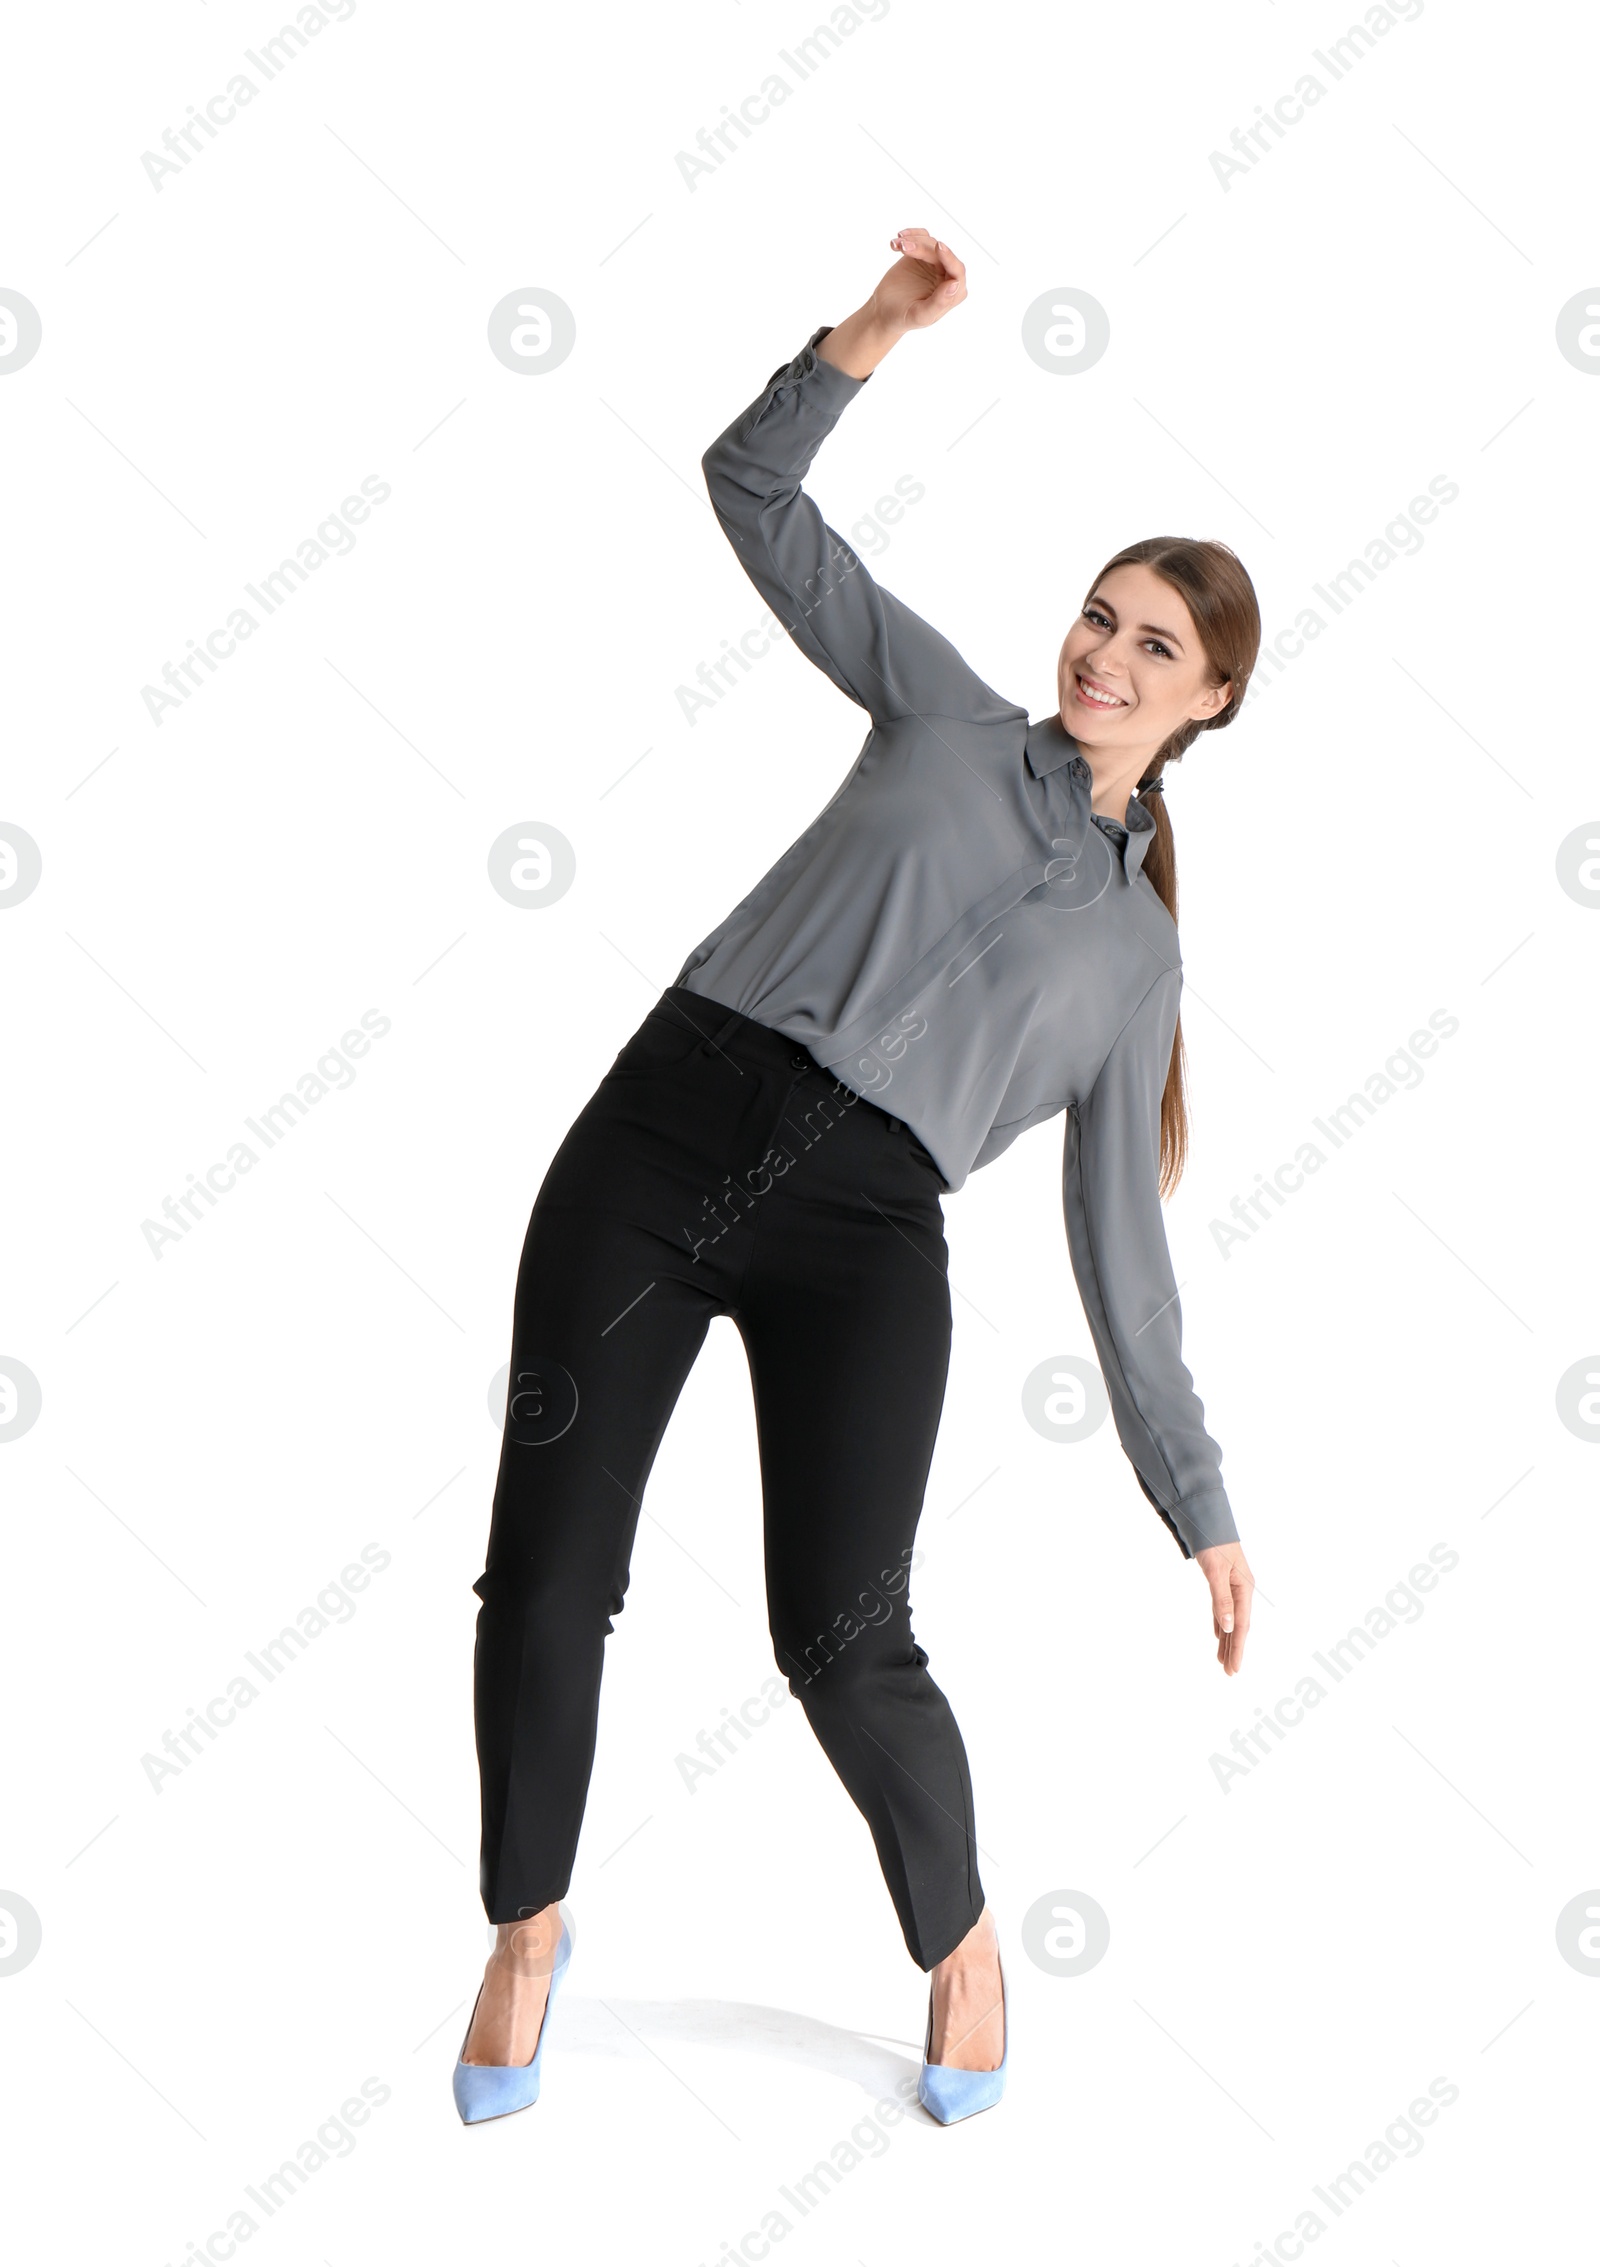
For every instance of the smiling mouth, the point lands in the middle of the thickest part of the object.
(1094, 697)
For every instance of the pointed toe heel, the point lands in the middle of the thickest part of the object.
(485, 2090)
(950, 2095)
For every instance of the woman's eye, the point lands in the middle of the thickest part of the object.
(1093, 614)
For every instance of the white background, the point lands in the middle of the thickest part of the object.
(1293, 357)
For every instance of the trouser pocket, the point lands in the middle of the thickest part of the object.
(664, 1039)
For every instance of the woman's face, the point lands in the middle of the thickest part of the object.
(1136, 641)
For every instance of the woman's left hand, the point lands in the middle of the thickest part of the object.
(1232, 1586)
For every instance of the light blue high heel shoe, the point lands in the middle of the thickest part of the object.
(949, 2094)
(492, 2089)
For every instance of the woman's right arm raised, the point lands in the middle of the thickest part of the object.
(874, 648)
(925, 282)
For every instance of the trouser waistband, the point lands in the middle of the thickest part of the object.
(733, 1032)
(726, 1031)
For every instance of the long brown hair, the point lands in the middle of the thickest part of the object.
(1221, 598)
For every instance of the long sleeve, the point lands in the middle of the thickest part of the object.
(1118, 1242)
(885, 657)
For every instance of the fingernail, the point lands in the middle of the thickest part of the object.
(1228, 1625)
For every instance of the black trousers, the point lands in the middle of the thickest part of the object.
(718, 1170)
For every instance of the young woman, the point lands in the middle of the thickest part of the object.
(977, 933)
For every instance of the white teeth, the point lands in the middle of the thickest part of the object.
(1105, 700)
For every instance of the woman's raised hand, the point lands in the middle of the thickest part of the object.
(925, 282)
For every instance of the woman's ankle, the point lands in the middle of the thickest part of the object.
(980, 1947)
(528, 1945)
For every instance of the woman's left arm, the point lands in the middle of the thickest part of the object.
(1118, 1241)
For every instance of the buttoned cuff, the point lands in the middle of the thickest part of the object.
(832, 387)
(1199, 1520)
(1203, 1519)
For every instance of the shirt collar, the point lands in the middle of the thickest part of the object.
(1050, 747)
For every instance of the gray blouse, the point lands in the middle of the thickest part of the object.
(959, 937)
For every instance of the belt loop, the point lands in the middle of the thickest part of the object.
(712, 1044)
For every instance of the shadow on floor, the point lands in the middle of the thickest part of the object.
(623, 2026)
